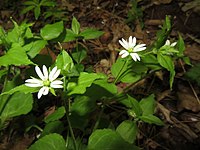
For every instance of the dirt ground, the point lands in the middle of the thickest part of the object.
(179, 107)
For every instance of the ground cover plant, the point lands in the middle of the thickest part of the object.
(51, 89)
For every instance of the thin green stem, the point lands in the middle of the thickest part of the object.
(67, 109)
(120, 72)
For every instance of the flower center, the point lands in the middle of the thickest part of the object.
(46, 83)
(130, 50)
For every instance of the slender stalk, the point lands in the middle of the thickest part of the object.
(67, 109)
(120, 72)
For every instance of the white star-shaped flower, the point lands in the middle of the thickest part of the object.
(47, 80)
(131, 48)
(168, 43)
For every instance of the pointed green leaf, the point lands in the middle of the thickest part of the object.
(52, 31)
(35, 47)
(75, 26)
(151, 119)
(15, 56)
(49, 142)
(58, 114)
(128, 131)
(107, 139)
(148, 105)
(17, 104)
(91, 34)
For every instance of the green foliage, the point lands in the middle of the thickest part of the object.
(135, 13)
(16, 105)
(193, 74)
(52, 141)
(128, 131)
(52, 31)
(108, 139)
(75, 33)
(36, 5)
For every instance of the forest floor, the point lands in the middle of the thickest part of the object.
(179, 107)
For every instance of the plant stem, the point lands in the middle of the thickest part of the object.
(120, 72)
(67, 109)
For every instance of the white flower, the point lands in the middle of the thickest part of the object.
(168, 43)
(131, 48)
(47, 80)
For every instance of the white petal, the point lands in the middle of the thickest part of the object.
(43, 91)
(124, 53)
(133, 42)
(51, 74)
(56, 85)
(45, 72)
(135, 56)
(167, 42)
(124, 43)
(130, 41)
(39, 73)
(57, 82)
(33, 84)
(34, 81)
(139, 47)
(46, 90)
(173, 44)
(56, 74)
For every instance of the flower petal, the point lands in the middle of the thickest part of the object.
(39, 73)
(133, 42)
(139, 47)
(135, 56)
(45, 72)
(33, 84)
(57, 73)
(33, 80)
(173, 44)
(43, 91)
(124, 44)
(130, 41)
(124, 53)
(51, 74)
(167, 42)
(56, 85)
(57, 82)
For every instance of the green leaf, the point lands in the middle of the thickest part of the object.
(85, 80)
(75, 26)
(128, 71)
(133, 104)
(65, 63)
(151, 119)
(58, 114)
(91, 34)
(70, 36)
(53, 127)
(148, 105)
(165, 61)
(37, 10)
(52, 31)
(17, 104)
(128, 131)
(79, 55)
(108, 139)
(83, 105)
(27, 9)
(21, 88)
(35, 47)
(49, 142)
(15, 56)
(181, 46)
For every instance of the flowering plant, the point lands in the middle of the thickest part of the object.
(80, 92)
